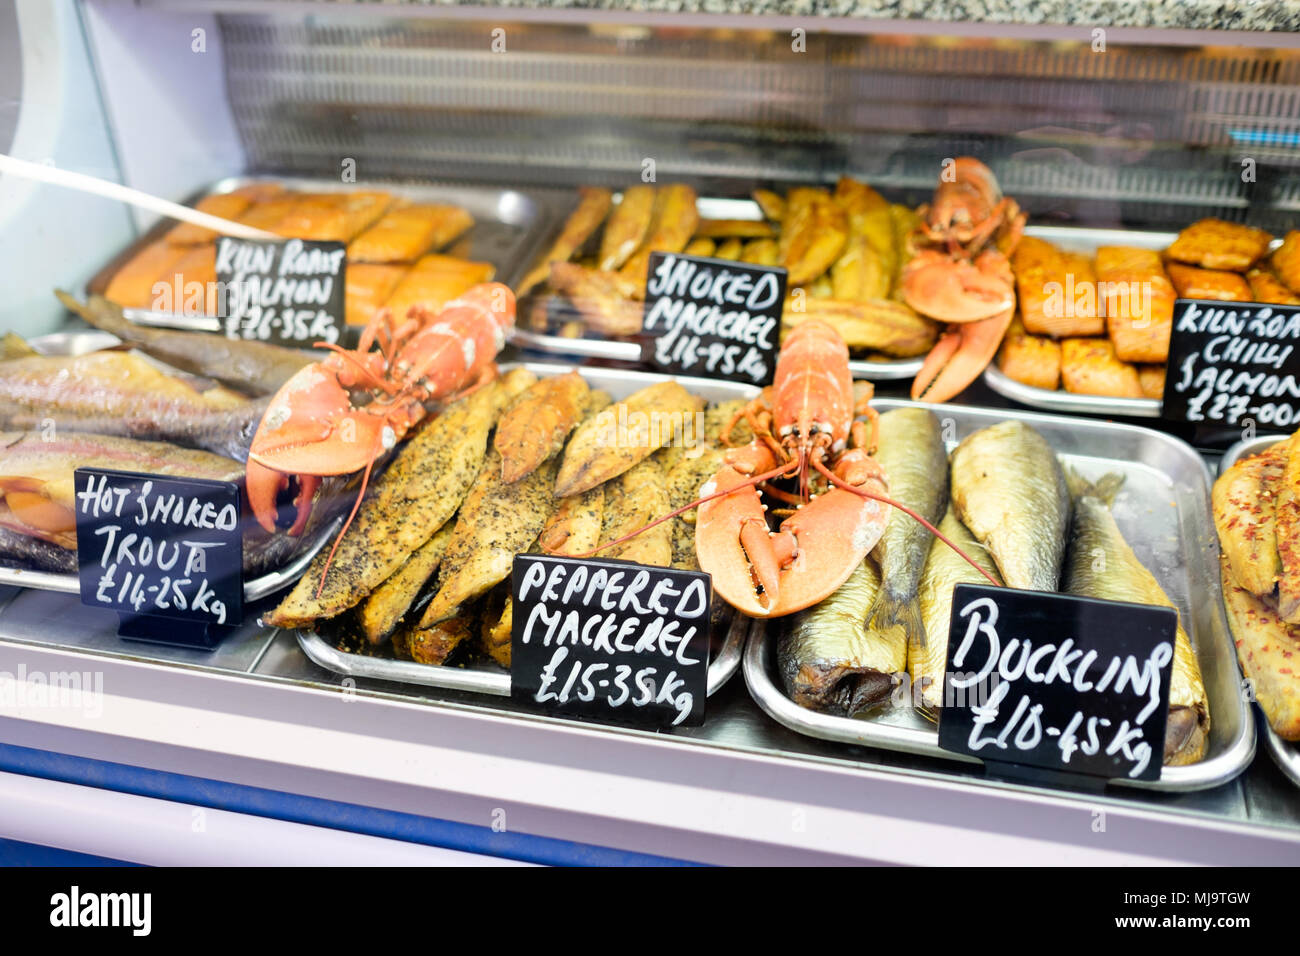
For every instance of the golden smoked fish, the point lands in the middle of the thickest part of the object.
(626, 227)
(1009, 490)
(428, 479)
(1288, 533)
(912, 452)
(537, 423)
(1267, 647)
(1102, 565)
(632, 500)
(36, 475)
(827, 658)
(613, 440)
(498, 520)
(1245, 516)
(593, 207)
(384, 609)
(944, 570)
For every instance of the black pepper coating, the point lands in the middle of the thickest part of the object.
(497, 521)
(426, 483)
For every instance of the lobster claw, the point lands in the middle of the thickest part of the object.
(310, 429)
(264, 485)
(770, 574)
(958, 358)
(954, 290)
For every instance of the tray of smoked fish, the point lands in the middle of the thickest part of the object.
(1260, 626)
(1025, 498)
(581, 294)
(421, 595)
(78, 399)
(406, 242)
(1096, 307)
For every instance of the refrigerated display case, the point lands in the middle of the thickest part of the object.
(1134, 120)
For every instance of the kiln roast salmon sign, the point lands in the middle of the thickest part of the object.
(162, 547)
(1068, 684)
(713, 317)
(1233, 361)
(290, 292)
(610, 640)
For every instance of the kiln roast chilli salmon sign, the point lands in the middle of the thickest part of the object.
(1233, 361)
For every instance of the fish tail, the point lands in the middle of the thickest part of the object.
(895, 611)
(1104, 488)
(98, 313)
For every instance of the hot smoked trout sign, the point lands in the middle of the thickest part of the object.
(1067, 684)
(1232, 361)
(610, 640)
(149, 545)
(713, 317)
(290, 292)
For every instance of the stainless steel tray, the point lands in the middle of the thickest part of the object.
(508, 225)
(79, 343)
(1285, 753)
(489, 679)
(1063, 401)
(628, 351)
(1177, 544)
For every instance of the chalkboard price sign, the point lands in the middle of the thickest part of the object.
(713, 317)
(1067, 684)
(610, 640)
(1233, 361)
(290, 292)
(149, 545)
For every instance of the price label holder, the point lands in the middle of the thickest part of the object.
(1056, 689)
(165, 553)
(713, 317)
(610, 641)
(288, 292)
(1234, 362)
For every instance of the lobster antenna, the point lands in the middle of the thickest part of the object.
(747, 483)
(841, 483)
(338, 539)
(373, 380)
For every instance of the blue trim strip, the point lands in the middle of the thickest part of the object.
(1259, 137)
(316, 811)
(17, 853)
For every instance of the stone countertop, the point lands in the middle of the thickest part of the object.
(1254, 15)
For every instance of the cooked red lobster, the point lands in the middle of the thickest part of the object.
(961, 274)
(803, 423)
(339, 415)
